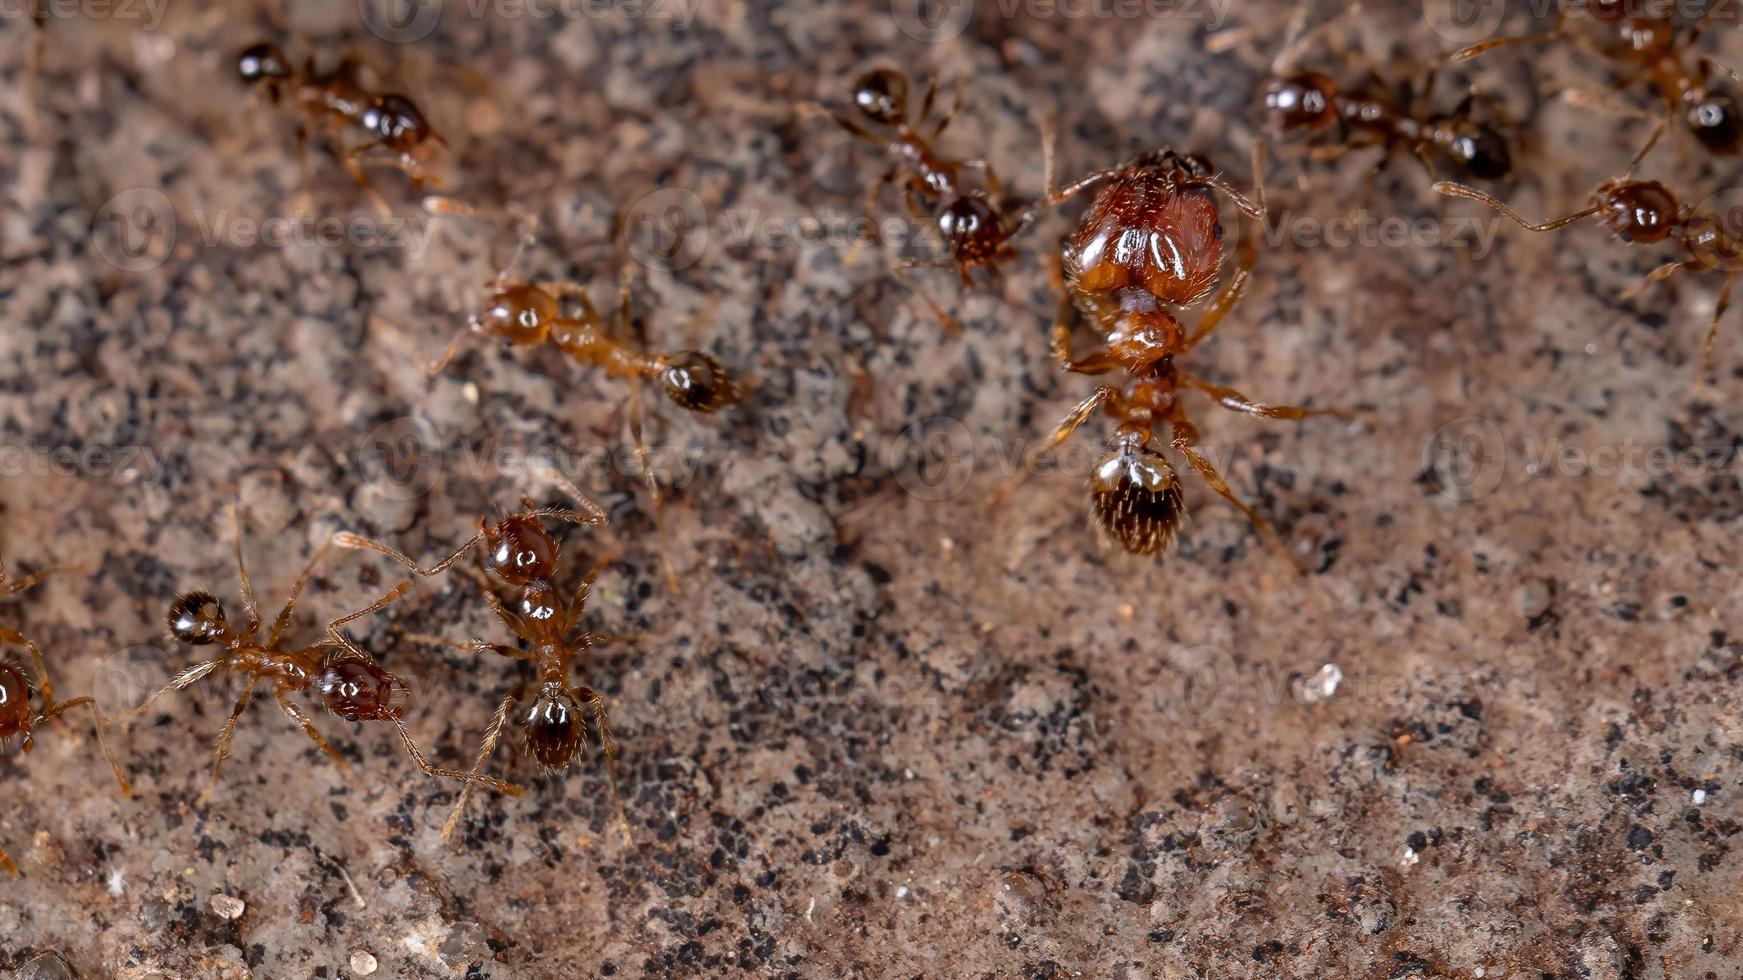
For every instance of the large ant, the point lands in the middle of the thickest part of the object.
(1152, 241)
(1646, 212)
(968, 219)
(521, 553)
(19, 717)
(532, 314)
(347, 680)
(1644, 36)
(363, 127)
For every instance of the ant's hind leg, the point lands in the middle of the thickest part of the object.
(1234, 401)
(608, 746)
(1654, 277)
(418, 757)
(102, 738)
(301, 717)
(1080, 414)
(491, 734)
(346, 539)
(656, 500)
(1184, 441)
(290, 602)
(224, 737)
(25, 584)
(1713, 330)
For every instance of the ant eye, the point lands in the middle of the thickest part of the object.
(697, 382)
(882, 96)
(555, 729)
(197, 618)
(355, 689)
(1136, 499)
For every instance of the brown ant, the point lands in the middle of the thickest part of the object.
(520, 553)
(1646, 212)
(363, 127)
(532, 314)
(1644, 37)
(968, 220)
(348, 681)
(19, 718)
(1150, 242)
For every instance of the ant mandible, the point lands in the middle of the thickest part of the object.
(392, 129)
(1150, 243)
(520, 553)
(973, 229)
(1645, 37)
(348, 681)
(19, 717)
(1646, 212)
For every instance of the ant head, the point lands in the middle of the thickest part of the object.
(396, 121)
(262, 62)
(697, 382)
(15, 713)
(1480, 152)
(555, 727)
(882, 96)
(519, 550)
(1638, 211)
(1717, 123)
(197, 619)
(1135, 496)
(971, 228)
(1300, 102)
(357, 690)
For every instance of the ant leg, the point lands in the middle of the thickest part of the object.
(474, 645)
(224, 736)
(1713, 329)
(928, 100)
(301, 717)
(417, 754)
(242, 573)
(26, 583)
(491, 734)
(899, 272)
(290, 603)
(181, 681)
(993, 184)
(1226, 299)
(1454, 189)
(584, 590)
(440, 364)
(102, 739)
(854, 128)
(1555, 31)
(37, 662)
(510, 619)
(393, 595)
(1100, 398)
(870, 205)
(354, 167)
(1253, 210)
(608, 745)
(7, 866)
(949, 117)
(655, 498)
(594, 514)
(346, 539)
(1185, 438)
(526, 222)
(1234, 401)
(1654, 277)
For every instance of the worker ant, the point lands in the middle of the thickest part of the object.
(19, 717)
(520, 553)
(1373, 113)
(363, 127)
(348, 681)
(1646, 212)
(1151, 242)
(1644, 37)
(974, 231)
(533, 314)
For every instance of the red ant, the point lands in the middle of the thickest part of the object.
(1648, 40)
(968, 220)
(521, 553)
(348, 681)
(1646, 212)
(19, 718)
(363, 127)
(532, 314)
(1151, 241)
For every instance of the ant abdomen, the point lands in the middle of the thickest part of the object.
(1301, 102)
(261, 62)
(555, 728)
(1479, 152)
(197, 618)
(357, 690)
(1717, 122)
(695, 381)
(1135, 497)
(882, 96)
(1638, 211)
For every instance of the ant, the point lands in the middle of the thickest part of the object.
(348, 681)
(363, 127)
(1646, 212)
(1150, 241)
(520, 553)
(1373, 113)
(532, 314)
(1644, 37)
(968, 220)
(18, 716)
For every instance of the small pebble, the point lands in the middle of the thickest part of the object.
(1321, 686)
(362, 963)
(1700, 797)
(228, 907)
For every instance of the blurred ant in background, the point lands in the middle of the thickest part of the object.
(19, 716)
(520, 553)
(975, 232)
(1643, 39)
(1646, 212)
(348, 681)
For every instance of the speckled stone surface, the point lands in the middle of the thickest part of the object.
(888, 728)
